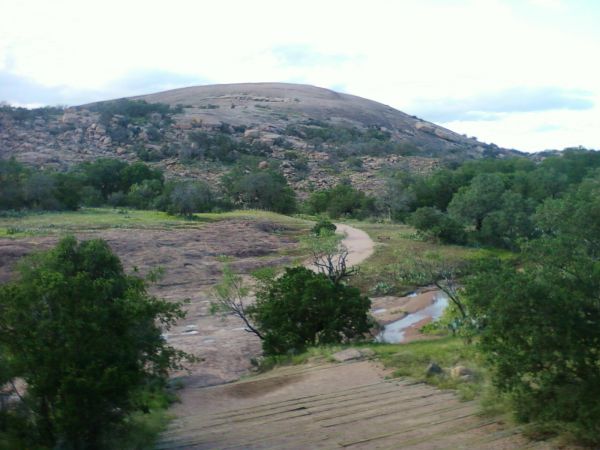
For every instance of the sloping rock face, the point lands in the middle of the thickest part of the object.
(269, 107)
(315, 136)
(329, 406)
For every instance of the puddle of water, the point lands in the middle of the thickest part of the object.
(393, 333)
(379, 310)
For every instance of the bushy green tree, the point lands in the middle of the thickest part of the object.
(104, 174)
(323, 226)
(540, 321)
(68, 188)
(13, 176)
(471, 204)
(509, 223)
(264, 189)
(86, 338)
(341, 200)
(433, 223)
(302, 308)
(189, 197)
(137, 173)
(143, 195)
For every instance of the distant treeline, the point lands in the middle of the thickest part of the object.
(120, 184)
(114, 182)
(492, 202)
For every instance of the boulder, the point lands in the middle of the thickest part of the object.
(433, 369)
(252, 133)
(461, 372)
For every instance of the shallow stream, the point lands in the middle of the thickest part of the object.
(393, 333)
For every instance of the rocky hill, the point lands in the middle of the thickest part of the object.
(315, 136)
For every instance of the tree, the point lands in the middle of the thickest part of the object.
(540, 320)
(142, 195)
(104, 174)
(85, 337)
(189, 197)
(433, 223)
(68, 188)
(302, 308)
(509, 223)
(473, 203)
(328, 255)
(341, 200)
(263, 190)
(12, 177)
(39, 191)
(398, 197)
(540, 333)
(137, 173)
(323, 226)
(231, 297)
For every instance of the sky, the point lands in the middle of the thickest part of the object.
(522, 74)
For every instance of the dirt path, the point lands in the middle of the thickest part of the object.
(360, 246)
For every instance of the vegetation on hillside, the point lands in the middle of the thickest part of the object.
(126, 119)
(114, 182)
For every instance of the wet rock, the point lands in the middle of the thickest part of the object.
(433, 369)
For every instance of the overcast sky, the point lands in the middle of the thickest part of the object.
(523, 74)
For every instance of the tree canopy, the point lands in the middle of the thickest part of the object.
(302, 308)
(539, 321)
(85, 337)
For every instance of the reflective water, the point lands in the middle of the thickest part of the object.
(393, 333)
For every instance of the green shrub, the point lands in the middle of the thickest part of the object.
(342, 200)
(323, 225)
(433, 223)
(302, 308)
(265, 189)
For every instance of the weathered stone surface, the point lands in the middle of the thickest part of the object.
(351, 354)
(461, 372)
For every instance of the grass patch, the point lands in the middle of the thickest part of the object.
(91, 219)
(412, 359)
(384, 273)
